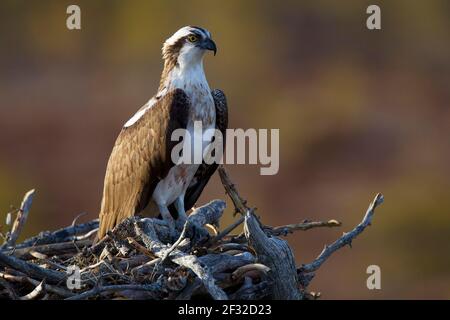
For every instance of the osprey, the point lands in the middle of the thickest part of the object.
(140, 175)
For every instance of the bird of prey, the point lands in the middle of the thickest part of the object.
(140, 174)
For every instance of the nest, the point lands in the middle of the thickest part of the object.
(139, 260)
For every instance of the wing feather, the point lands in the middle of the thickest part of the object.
(140, 158)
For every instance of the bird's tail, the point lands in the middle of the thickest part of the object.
(104, 225)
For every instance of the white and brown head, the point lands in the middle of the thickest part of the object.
(186, 47)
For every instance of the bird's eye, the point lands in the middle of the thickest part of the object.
(192, 38)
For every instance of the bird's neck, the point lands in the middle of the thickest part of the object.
(192, 80)
(183, 75)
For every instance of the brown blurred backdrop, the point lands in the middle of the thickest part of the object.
(359, 112)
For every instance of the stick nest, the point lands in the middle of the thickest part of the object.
(139, 260)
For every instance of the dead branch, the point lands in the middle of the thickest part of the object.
(346, 238)
(276, 254)
(115, 288)
(62, 235)
(250, 291)
(290, 228)
(230, 188)
(250, 270)
(137, 259)
(40, 289)
(208, 214)
(27, 253)
(21, 218)
(25, 279)
(227, 230)
(148, 235)
(30, 269)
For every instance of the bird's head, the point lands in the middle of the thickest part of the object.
(188, 45)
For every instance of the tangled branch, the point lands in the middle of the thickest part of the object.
(137, 261)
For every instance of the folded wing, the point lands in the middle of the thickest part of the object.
(141, 157)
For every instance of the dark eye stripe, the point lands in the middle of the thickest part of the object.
(200, 31)
(198, 34)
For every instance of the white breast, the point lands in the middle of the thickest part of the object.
(193, 82)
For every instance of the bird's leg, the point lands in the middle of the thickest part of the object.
(197, 234)
(165, 213)
(179, 205)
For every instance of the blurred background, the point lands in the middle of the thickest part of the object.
(359, 112)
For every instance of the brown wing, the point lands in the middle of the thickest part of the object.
(140, 158)
(205, 171)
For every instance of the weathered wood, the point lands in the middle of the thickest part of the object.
(62, 292)
(30, 269)
(230, 188)
(48, 249)
(21, 218)
(250, 270)
(148, 235)
(346, 239)
(155, 289)
(250, 291)
(37, 291)
(303, 226)
(227, 230)
(207, 214)
(137, 259)
(221, 262)
(61, 235)
(189, 290)
(276, 254)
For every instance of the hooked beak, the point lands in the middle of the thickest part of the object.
(208, 44)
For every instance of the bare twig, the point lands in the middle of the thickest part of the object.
(230, 188)
(346, 239)
(226, 231)
(176, 243)
(85, 236)
(207, 214)
(24, 279)
(21, 218)
(140, 247)
(146, 268)
(74, 221)
(31, 269)
(135, 261)
(48, 249)
(247, 269)
(284, 230)
(40, 289)
(222, 262)
(115, 288)
(61, 235)
(189, 261)
(129, 261)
